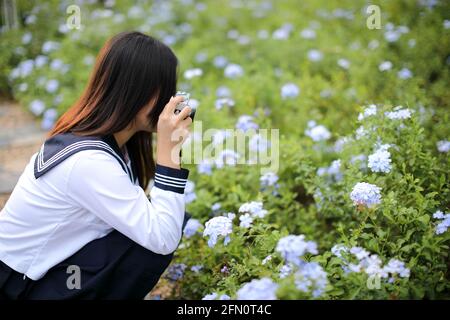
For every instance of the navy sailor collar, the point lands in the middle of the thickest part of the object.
(61, 146)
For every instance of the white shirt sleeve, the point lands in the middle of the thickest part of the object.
(98, 183)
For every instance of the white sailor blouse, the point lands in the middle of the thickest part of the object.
(77, 189)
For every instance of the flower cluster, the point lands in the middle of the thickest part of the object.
(175, 271)
(399, 113)
(189, 193)
(317, 132)
(233, 71)
(246, 220)
(289, 91)
(333, 171)
(311, 278)
(371, 264)
(445, 221)
(443, 146)
(262, 289)
(245, 123)
(192, 227)
(216, 227)
(292, 248)
(197, 268)
(255, 208)
(368, 111)
(366, 194)
(224, 102)
(380, 161)
(192, 73)
(214, 296)
(268, 179)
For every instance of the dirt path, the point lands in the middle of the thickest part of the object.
(20, 138)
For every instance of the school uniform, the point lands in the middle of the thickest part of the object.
(78, 204)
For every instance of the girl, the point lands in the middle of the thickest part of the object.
(78, 224)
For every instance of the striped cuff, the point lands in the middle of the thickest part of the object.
(171, 179)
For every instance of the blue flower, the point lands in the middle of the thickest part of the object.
(233, 71)
(37, 107)
(220, 136)
(444, 224)
(189, 194)
(343, 63)
(405, 74)
(220, 62)
(289, 91)
(318, 133)
(175, 271)
(368, 111)
(226, 157)
(223, 92)
(334, 170)
(438, 215)
(266, 259)
(218, 227)
(285, 271)
(371, 264)
(205, 167)
(385, 66)
(337, 250)
(399, 113)
(292, 248)
(308, 34)
(48, 119)
(380, 161)
(246, 122)
(311, 277)
(192, 73)
(52, 85)
(395, 266)
(443, 146)
(224, 102)
(211, 296)
(191, 227)
(224, 269)
(197, 268)
(246, 220)
(262, 289)
(366, 194)
(255, 208)
(216, 206)
(359, 252)
(315, 55)
(27, 37)
(50, 46)
(214, 295)
(258, 143)
(201, 57)
(268, 179)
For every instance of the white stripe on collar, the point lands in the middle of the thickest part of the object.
(42, 165)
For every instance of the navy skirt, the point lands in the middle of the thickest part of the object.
(112, 267)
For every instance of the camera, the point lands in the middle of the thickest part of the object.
(184, 103)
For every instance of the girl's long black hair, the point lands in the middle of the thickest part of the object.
(131, 69)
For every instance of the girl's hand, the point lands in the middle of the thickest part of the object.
(172, 131)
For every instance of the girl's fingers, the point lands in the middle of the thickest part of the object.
(186, 122)
(184, 113)
(171, 105)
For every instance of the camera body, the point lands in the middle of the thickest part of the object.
(184, 103)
